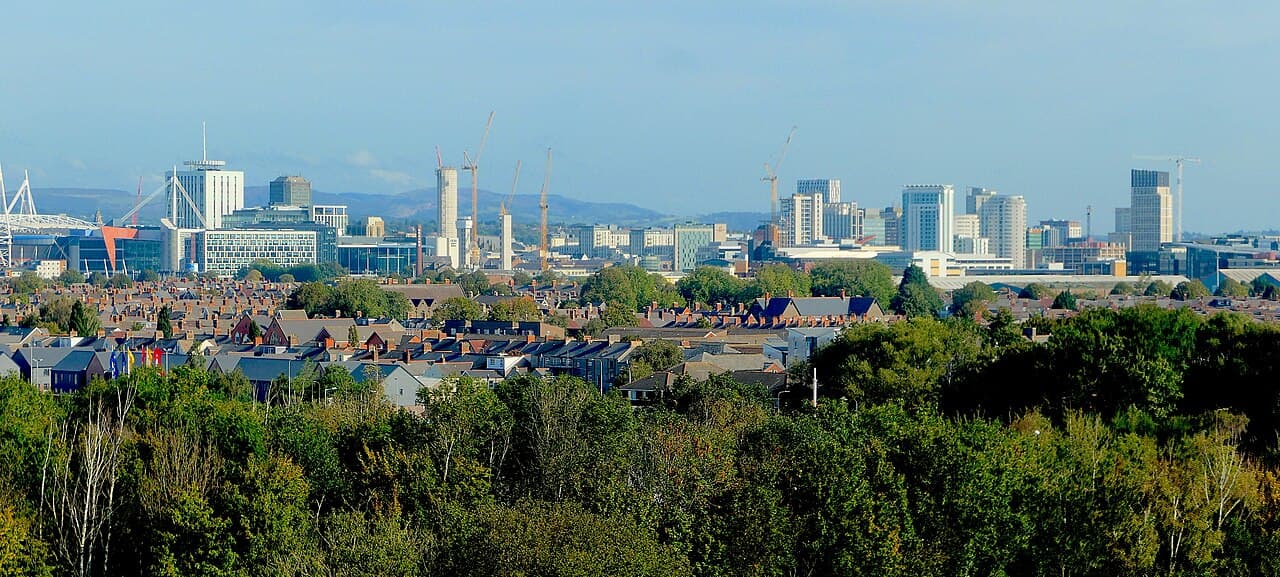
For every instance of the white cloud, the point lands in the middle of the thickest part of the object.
(362, 158)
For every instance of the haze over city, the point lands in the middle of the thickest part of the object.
(671, 106)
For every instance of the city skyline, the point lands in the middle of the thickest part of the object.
(956, 103)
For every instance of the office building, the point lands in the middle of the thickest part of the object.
(802, 219)
(1003, 219)
(873, 228)
(1151, 210)
(224, 252)
(828, 188)
(1071, 230)
(928, 214)
(289, 191)
(841, 221)
(215, 191)
(687, 239)
(333, 215)
(891, 216)
(375, 255)
(651, 241)
(977, 195)
(968, 237)
(967, 225)
(1124, 219)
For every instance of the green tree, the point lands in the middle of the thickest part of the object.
(515, 309)
(474, 283)
(84, 320)
(610, 284)
(71, 276)
(163, 322)
(654, 355)
(353, 336)
(287, 278)
(27, 283)
(1230, 287)
(916, 297)
(971, 300)
(98, 279)
(710, 286)
(119, 281)
(1187, 290)
(252, 275)
(1122, 288)
(313, 297)
(367, 298)
(778, 280)
(1065, 300)
(617, 314)
(521, 278)
(458, 308)
(148, 275)
(1035, 291)
(1157, 288)
(864, 277)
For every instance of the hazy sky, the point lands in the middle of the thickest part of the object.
(670, 105)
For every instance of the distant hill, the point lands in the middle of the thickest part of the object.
(414, 206)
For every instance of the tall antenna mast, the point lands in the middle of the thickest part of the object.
(204, 143)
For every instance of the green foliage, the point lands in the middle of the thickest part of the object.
(971, 300)
(1232, 288)
(98, 279)
(164, 324)
(1034, 291)
(1122, 288)
(306, 273)
(711, 286)
(521, 278)
(855, 277)
(457, 308)
(916, 297)
(84, 320)
(777, 280)
(617, 314)
(56, 314)
(515, 309)
(27, 283)
(629, 285)
(349, 297)
(654, 355)
(1187, 290)
(119, 281)
(1157, 289)
(71, 276)
(149, 275)
(1065, 300)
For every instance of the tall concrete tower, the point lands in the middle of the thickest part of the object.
(928, 215)
(447, 206)
(508, 255)
(1151, 210)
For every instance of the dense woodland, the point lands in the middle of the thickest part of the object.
(1135, 442)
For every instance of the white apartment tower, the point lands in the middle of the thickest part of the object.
(802, 219)
(216, 192)
(447, 209)
(1150, 210)
(1003, 220)
(928, 214)
(830, 188)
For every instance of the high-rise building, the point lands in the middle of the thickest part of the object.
(447, 209)
(651, 241)
(802, 219)
(928, 214)
(977, 195)
(1071, 229)
(334, 215)
(289, 191)
(1003, 219)
(841, 221)
(967, 225)
(968, 237)
(1124, 219)
(214, 191)
(873, 231)
(891, 217)
(830, 188)
(1151, 210)
(687, 239)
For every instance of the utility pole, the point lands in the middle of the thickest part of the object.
(543, 250)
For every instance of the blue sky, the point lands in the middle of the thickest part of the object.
(670, 105)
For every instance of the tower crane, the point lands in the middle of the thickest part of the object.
(473, 165)
(543, 252)
(502, 207)
(1179, 160)
(771, 176)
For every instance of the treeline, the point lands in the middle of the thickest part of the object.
(1135, 442)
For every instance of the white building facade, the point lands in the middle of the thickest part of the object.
(928, 215)
(225, 252)
(214, 191)
(802, 219)
(1003, 220)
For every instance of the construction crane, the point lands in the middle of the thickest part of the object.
(771, 176)
(473, 165)
(134, 219)
(543, 252)
(502, 207)
(1179, 160)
